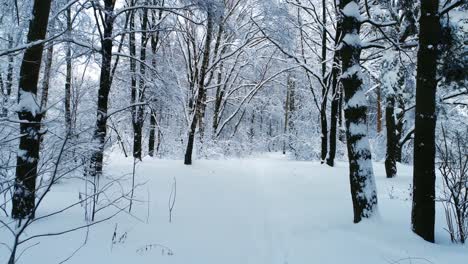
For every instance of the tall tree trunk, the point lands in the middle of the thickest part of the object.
(363, 190)
(201, 89)
(218, 100)
(152, 134)
(286, 114)
(392, 142)
(46, 76)
(100, 131)
(68, 78)
(154, 45)
(133, 84)
(379, 110)
(323, 107)
(139, 110)
(29, 113)
(334, 112)
(6, 90)
(423, 211)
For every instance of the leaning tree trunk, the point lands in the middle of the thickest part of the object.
(100, 131)
(30, 116)
(423, 211)
(363, 190)
(392, 142)
(201, 90)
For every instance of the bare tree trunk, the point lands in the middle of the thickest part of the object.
(68, 78)
(286, 114)
(323, 107)
(392, 142)
(100, 131)
(218, 100)
(29, 113)
(154, 44)
(363, 190)
(152, 134)
(139, 110)
(336, 92)
(46, 76)
(6, 90)
(423, 211)
(201, 89)
(379, 110)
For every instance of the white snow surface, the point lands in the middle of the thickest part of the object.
(352, 10)
(263, 210)
(28, 102)
(352, 39)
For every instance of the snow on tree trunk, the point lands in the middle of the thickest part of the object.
(334, 112)
(100, 131)
(423, 211)
(30, 116)
(363, 190)
(201, 97)
(68, 78)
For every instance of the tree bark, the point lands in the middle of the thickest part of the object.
(201, 89)
(336, 92)
(68, 78)
(363, 190)
(323, 108)
(152, 135)
(423, 211)
(100, 131)
(154, 45)
(6, 90)
(29, 113)
(138, 113)
(379, 110)
(392, 142)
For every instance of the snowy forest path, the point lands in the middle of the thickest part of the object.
(262, 210)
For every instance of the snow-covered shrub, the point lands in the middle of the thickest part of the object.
(453, 166)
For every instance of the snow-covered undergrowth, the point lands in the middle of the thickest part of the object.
(265, 210)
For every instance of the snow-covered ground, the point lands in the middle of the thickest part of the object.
(265, 210)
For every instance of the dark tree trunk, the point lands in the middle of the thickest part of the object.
(323, 108)
(201, 90)
(133, 89)
(336, 93)
(68, 79)
(287, 113)
(154, 45)
(138, 120)
(29, 113)
(363, 191)
(324, 131)
(423, 211)
(100, 131)
(392, 142)
(152, 135)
